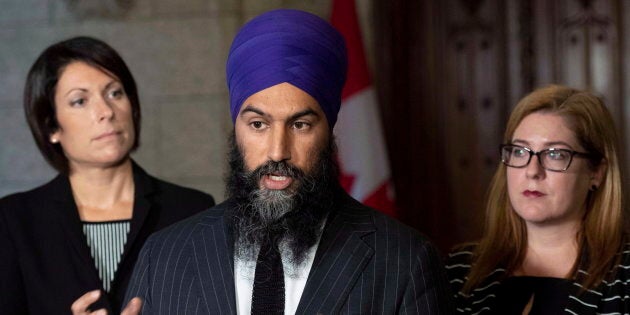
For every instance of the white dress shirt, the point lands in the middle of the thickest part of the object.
(294, 281)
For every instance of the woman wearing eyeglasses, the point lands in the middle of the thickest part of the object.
(554, 240)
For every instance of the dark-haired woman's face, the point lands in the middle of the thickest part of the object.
(94, 116)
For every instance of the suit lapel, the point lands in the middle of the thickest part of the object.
(70, 222)
(143, 188)
(68, 217)
(341, 257)
(213, 253)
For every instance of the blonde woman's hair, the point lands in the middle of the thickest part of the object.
(601, 235)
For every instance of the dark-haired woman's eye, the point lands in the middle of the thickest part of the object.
(116, 94)
(77, 102)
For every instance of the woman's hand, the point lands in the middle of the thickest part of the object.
(80, 306)
(133, 307)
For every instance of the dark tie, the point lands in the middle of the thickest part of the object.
(268, 295)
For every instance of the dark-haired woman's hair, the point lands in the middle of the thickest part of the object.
(41, 83)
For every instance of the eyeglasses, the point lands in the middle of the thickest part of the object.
(552, 159)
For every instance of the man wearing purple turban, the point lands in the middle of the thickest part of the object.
(288, 240)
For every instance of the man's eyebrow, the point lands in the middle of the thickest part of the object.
(258, 111)
(250, 108)
(303, 113)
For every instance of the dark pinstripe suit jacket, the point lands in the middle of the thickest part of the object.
(366, 263)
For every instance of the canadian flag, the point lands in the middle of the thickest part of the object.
(363, 158)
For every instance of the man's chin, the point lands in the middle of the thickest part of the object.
(272, 205)
(276, 195)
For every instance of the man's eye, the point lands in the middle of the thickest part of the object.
(300, 125)
(257, 124)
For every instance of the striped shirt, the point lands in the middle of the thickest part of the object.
(107, 243)
(610, 297)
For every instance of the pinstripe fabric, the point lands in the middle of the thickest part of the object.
(366, 263)
(611, 297)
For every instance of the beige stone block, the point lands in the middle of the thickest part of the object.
(256, 7)
(213, 185)
(224, 7)
(20, 160)
(167, 57)
(321, 8)
(19, 47)
(192, 138)
(175, 57)
(181, 8)
(147, 153)
(14, 12)
(95, 10)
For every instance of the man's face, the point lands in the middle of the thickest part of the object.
(283, 175)
(281, 124)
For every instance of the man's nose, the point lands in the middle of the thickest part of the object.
(279, 147)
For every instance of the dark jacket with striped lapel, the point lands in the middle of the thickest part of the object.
(365, 263)
(45, 262)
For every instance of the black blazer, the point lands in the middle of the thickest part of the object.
(45, 262)
(366, 263)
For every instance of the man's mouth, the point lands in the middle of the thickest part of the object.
(276, 182)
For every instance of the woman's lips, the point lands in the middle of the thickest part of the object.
(532, 193)
(106, 135)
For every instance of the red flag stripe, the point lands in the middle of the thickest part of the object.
(344, 18)
(381, 200)
(363, 160)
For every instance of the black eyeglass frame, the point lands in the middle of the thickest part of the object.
(532, 153)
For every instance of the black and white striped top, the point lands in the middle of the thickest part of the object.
(611, 297)
(107, 243)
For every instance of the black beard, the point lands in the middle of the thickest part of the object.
(293, 215)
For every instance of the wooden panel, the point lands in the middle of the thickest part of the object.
(572, 45)
(475, 104)
(544, 47)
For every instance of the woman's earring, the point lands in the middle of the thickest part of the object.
(54, 140)
(593, 187)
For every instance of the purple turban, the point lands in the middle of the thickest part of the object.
(288, 46)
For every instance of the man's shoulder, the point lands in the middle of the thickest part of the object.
(188, 227)
(384, 227)
(172, 193)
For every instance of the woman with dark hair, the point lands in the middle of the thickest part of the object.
(75, 240)
(555, 240)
